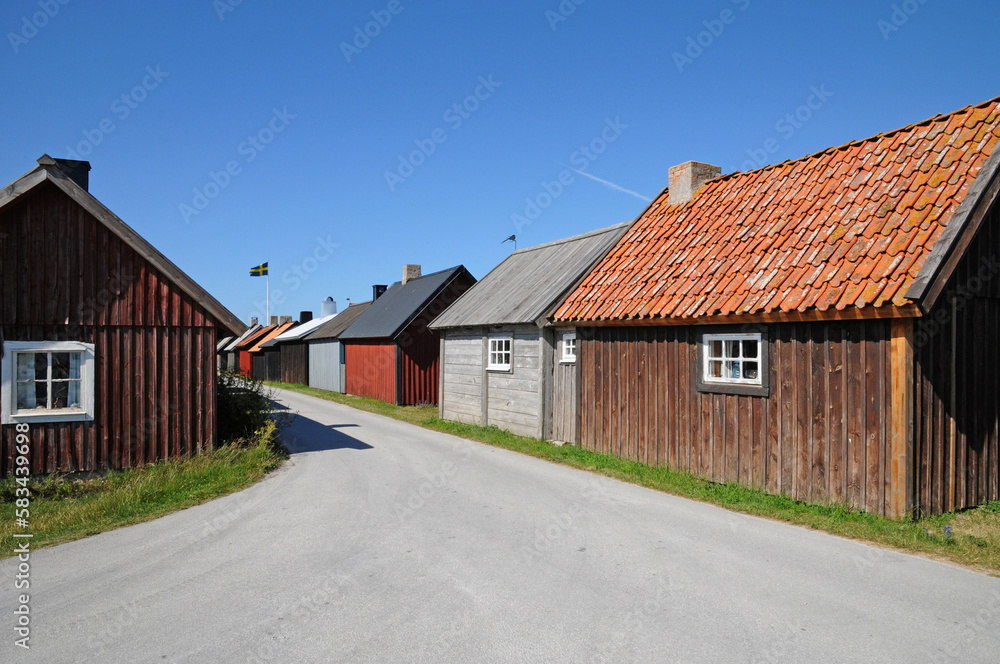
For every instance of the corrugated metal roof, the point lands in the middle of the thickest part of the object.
(253, 329)
(333, 328)
(299, 331)
(531, 282)
(851, 226)
(388, 315)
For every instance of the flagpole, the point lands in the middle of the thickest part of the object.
(267, 296)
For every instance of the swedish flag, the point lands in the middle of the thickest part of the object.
(259, 271)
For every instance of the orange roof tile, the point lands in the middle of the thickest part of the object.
(849, 226)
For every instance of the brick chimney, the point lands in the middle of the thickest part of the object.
(253, 321)
(410, 272)
(274, 320)
(687, 178)
(284, 319)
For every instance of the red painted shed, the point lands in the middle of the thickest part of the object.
(390, 353)
(107, 348)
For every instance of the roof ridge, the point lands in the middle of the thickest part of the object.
(573, 238)
(860, 141)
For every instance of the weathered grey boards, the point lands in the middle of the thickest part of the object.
(520, 400)
(326, 365)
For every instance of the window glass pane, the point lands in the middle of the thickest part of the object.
(32, 395)
(73, 398)
(715, 348)
(750, 348)
(41, 366)
(60, 366)
(60, 394)
(733, 349)
(750, 370)
(25, 366)
(715, 369)
(732, 369)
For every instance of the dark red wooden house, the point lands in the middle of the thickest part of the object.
(826, 328)
(390, 353)
(107, 348)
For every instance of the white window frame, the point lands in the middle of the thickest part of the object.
(568, 357)
(8, 377)
(707, 340)
(493, 352)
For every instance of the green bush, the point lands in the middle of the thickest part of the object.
(245, 406)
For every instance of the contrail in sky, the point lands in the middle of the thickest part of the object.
(611, 184)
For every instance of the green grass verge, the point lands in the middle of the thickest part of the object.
(973, 540)
(63, 510)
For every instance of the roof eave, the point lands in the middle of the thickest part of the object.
(949, 249)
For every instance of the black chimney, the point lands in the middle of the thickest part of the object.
(377, 291)
(77, 171)
(305, 317)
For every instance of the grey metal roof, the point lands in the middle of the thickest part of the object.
(222, 344)
(236, 342)
(389, 314)
(532, 282)
(332, 329)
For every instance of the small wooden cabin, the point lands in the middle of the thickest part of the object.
(243, 360)
(390, 353)
(260, 367)
(288, 354)
(826, 328)
(504, 361)
(326, 354)
(107, 349)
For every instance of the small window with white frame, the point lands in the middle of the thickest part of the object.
(47, 381)
(733, 359)
(500, 353)
(569, 347)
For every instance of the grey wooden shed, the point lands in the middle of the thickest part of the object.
(503, 361)
(326, 353)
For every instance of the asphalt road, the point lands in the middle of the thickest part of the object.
(381, 542)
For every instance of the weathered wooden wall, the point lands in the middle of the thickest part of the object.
(821, 434)
(294, 363)
(371, 369)
(65, 276)
(462, 373)
(326, 365)
(957, 384)
(515, 398)
(564, 395)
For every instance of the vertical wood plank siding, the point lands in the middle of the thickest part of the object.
(65, 276)
(371, 369)
(957, 384)
(294, 363)
(419, 349)
(821, 435)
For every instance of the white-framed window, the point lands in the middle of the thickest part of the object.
(46, 381)
(569, 347)
(500, 353)
(732, 359)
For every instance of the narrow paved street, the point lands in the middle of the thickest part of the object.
(382, 542)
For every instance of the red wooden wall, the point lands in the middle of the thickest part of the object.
(66, 276)
(821, 435)
(371, 369)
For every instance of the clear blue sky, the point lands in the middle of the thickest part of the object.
(315, 172)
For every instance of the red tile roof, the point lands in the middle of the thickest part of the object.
(847, 227)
